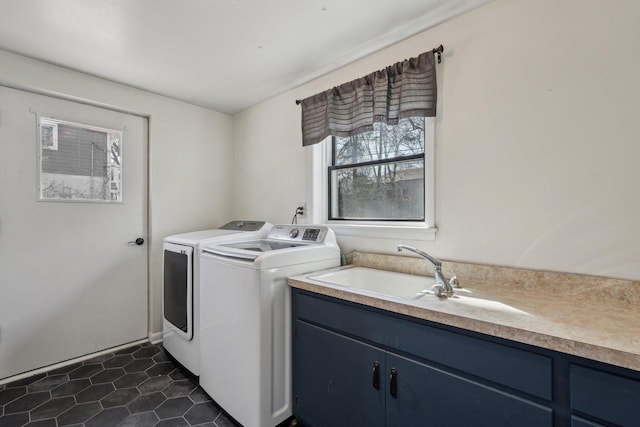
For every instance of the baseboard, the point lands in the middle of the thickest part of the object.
(71, 361)
(155, 337)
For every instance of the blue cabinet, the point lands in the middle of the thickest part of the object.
(355, 365)
(334, 378)
(434, 397)
(371, 380)
(342, 381)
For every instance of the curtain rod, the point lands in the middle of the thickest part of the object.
(437, 50)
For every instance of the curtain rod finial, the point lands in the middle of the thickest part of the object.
(298, 102)
(438, 51)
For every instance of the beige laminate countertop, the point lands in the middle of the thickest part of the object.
(586, 318)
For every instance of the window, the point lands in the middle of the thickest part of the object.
(378, 184)
(375, 180)
(379, 175)
(79, 162)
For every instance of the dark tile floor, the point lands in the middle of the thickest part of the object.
(138, 386)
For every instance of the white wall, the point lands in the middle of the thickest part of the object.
(190, 148)
(536, 141)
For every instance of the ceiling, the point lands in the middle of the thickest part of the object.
(226, 55)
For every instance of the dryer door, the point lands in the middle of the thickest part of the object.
(177, 284)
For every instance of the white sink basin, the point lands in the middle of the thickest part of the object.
(381, 282)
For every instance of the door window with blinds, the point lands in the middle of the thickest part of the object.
(79, 162)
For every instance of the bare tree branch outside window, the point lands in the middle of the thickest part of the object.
(379, 175)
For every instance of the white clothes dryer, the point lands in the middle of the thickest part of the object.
(245, 321)
(181, 286)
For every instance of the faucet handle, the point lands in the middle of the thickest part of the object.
(438, 290)
(454, 282)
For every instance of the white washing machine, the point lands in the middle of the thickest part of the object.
(245, 321)
(181, 286)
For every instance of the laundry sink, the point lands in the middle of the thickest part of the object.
(381, 282)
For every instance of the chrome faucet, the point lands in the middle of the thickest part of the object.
(442, 286)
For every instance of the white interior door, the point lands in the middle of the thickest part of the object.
(70, 284)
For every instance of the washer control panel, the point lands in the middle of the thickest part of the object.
(299, 233)
(311, 234)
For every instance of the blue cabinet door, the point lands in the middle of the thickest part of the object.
(334, 379)
(580, 422)
(606, 396)
(426, 396)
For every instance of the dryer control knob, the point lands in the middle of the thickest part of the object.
(294, 233)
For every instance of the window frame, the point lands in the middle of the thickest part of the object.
(320, 159)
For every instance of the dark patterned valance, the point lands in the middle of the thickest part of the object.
(405, 89)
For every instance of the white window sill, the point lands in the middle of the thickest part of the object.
(405, 232)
